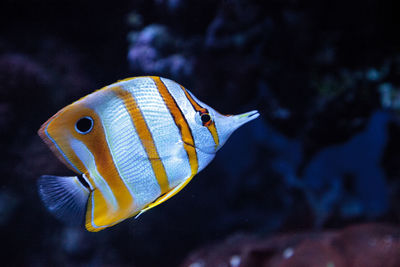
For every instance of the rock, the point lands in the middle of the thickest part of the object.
(365, 245)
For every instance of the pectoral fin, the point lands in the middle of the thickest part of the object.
(166, 196)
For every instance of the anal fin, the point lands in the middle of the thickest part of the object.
(101, 214)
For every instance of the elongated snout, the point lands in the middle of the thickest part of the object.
(226, 125)
(239, 120)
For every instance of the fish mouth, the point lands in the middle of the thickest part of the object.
(251, 114)
(246, 117)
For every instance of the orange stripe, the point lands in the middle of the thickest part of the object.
(58, 148)
(145, 137)
(181, 123)
(103, 215)
(195, 105)
(214, 133)
(211, 128)
(95, 141)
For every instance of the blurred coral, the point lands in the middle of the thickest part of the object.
(154, 50)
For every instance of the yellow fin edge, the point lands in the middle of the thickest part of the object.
(166, 196)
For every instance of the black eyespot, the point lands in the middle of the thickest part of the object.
(84, 125)
(205, 117)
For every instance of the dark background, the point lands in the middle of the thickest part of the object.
(324, 153)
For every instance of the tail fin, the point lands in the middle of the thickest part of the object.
(65, 197)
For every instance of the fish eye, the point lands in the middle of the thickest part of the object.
(205, 117)
(84, 125)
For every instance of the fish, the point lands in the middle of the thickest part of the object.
(133, 145)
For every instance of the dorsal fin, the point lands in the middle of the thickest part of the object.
(65, 196)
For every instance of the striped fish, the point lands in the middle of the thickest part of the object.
(134, 144)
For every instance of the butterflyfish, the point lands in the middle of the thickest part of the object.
(133, 145)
